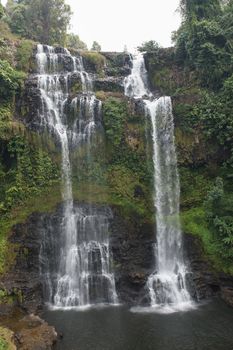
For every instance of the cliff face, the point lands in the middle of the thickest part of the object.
(121, 179)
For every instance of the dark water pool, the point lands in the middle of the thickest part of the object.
(209, 327)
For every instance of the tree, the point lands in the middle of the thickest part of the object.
(73, 41)
(218, 210)
(205, 40)
(17, 18)
(96, 46)
(41, 20)
(1, 11)
(226, 23)
(149, 46)
(199, 9)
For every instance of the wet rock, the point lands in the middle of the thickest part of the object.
(35, 334)
(206, 281)
(111, 84)
(227, 295)
(203, 276)
(117, 63)
(114, 72)
(133, 255)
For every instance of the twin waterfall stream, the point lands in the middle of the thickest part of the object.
(84, 275)
(167, 285)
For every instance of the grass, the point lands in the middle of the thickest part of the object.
(95, 59)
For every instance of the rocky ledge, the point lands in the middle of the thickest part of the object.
(26, 332)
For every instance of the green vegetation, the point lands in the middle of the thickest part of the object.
(44, 200)
(1, 11)
(203, 42)
(95, 60)
(198, 73)
(115, 114)
(195, 184)
(26, 175)
(149, 46)
(45, 21)
(74, 42)
(129, 174)
(198, 9)
(30, 171)
(24, 55)
(10, 80)
(219, 213)
(6, 339)
(3, 344)
(204, 48)
(96, 46)
(27, 171)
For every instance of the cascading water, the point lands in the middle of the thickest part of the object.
(82, 274)
(167, 285)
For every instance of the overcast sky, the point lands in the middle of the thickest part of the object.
(116, 23)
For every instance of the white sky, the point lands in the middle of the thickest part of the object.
(116, 23)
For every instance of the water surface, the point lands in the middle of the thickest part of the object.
(209, 327)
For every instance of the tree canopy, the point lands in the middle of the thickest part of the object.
(204, 41)
(96, 46)
(149, 46)
(41, 20)
(73, 41)
(199, 9)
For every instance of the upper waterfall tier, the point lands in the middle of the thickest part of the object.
(136, 83)
(57, 106)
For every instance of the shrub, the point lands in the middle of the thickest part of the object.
(10, 80)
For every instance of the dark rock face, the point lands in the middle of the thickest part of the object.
(131, 245)
(206, 281)
(109, 84)
(227, 295)
(23, 282)
(133, 255)
(118, 64)
(30, 103)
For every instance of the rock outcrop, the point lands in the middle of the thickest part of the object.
(207, 281)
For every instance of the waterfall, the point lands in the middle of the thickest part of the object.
(167, 285)
(82, 274)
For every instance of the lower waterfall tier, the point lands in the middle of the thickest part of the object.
(77, 269)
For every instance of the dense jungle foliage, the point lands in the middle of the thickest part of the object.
(198, 73)
(204, 45)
